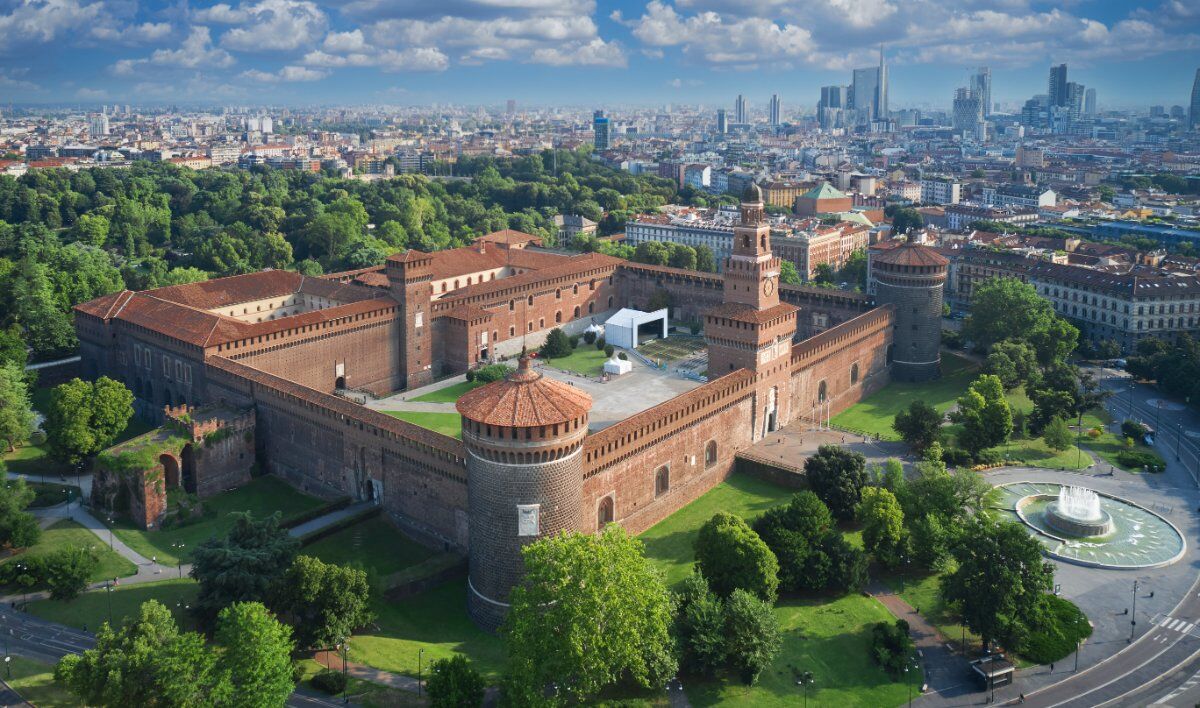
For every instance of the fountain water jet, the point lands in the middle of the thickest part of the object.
(1077, 512)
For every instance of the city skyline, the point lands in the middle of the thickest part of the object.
(545, 52)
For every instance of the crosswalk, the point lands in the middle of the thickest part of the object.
(1172, 625)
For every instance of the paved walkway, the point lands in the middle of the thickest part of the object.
(329, 519)
(333, 660)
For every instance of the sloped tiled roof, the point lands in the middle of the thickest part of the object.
(912, 254)
(824, 191)
(525, 398)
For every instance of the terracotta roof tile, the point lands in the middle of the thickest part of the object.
(746, 313)
(912, 254)
(525, 398)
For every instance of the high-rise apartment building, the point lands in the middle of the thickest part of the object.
(967, 111)
(601, 131)
(1075, 98)
(981, 86)
(1194, 109)
(774, 111)
(1089, 102)
(739, 110)
(98, 125)
(1058, 85)
(722, 122)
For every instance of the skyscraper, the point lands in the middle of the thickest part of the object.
(1089, 102)
(774, 112)
(1075, 98)
(1058, 85)
(739, 110)
(98, 125)
(881, 90)
(511, 107)
(1194, 109)
(967, 112)
(981, 86)
(865, 93)
(600, 131)
(833, 97)
(722, 122)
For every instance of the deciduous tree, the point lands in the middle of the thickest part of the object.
(730, 555)
(837, 475)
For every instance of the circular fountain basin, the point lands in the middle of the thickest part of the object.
(1067, 523)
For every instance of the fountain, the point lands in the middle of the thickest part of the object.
(1077, 513)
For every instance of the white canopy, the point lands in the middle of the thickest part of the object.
(621, 329)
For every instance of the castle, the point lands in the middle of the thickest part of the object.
(289, 347)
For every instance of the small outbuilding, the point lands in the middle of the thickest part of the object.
(624, 328)
(616, 366)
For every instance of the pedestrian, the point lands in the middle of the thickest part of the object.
(1052, 667)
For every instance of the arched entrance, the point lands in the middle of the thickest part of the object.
(340, 383)
(604, 514)
(189, 469)
(170, 469)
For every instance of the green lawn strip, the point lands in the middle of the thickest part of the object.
(262, 497)
(832, 639)
(360, 692)
(875, 413)
(92, 608)
(1031, 452)
(34, 680)
(586, 359)
(1109, 444)
(449, 394)
(52, 493)
(445, 423)
(436, 621)
(374, 546)
(669, 542)
(67, 534)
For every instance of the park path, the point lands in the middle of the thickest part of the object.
(333, 660)
(947, 673)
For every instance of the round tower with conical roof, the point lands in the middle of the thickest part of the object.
(524, 438)
(910, 278)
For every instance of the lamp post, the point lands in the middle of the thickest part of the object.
(1133, 615)
(110, 533)
(420, 654)
(178, 547)
(108, 590)
(1078, 646)
(806, 678)
(345, 645)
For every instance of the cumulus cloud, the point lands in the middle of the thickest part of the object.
(91, 94)
(268, 25)
(195, 52)
(594, 53)
(9, 80)
(46, 20)
(144, 33)
(286, 74)
(412, 59)
(715, 39)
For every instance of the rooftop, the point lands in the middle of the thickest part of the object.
(525, 398)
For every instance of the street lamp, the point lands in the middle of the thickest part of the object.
(420, 654)
(178, 547)
(805, 679)
(110, 533)
(345, 680)
(1133, 615)
(915, 665)
(108, 590)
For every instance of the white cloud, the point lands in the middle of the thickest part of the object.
(268, 25)
(713, 38)
(133, 34)
(594, 53)
(286, 74)
(412, 59)
(10, 82)
(345, 42)
(91, 94)
(46, 20)
(195, 52)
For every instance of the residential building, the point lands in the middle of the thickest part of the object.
(601, 131)
(823, 199)
(1194, 108)
(1019, 196)
(1089, 102)
(571, 225)
(1057, 86)
(783, 193)
(98, 125)
(960, 216)
(940, 190)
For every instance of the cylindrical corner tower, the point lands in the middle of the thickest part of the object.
(910, 277)
(524, 437)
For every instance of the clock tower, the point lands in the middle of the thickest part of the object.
(752, 329)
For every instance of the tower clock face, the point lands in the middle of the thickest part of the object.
(769, 286)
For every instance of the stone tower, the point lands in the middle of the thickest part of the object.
(910, 277)
(524, 438)
(411, 277)
(752, 329)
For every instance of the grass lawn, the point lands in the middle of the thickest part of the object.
(65, 534)
(262, 496)
(363, 693)
(449, 424)
(669, 542)
(449, 394)
(921, 591)
(35, 682)
(830, 638)
(874, 414)
(436, 621)
(1109, 444)
(586, 360)
(52, 493)
(374, 546)
(92, 608)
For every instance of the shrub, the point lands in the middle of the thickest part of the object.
(695, 326)
(1133, 429)
(1139, 459)
(956, 457)
(608, 350)
(891, 646)
(557, 345)
(600, 344)
(1057, 632)
(491, 372)
(329, 681)
(1094, 433)
(68, 570)
(470, 375)
(453, 683)
(988, 457)
(589, 337)
(1057, 434)
(623, 356)
(574, 340)
(731, 556)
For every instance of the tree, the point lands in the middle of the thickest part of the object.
(243, 566)
(1006, 308)
(883, 525)
(256, 655)
(557, 345)
(323, 602)
(906, 220)
(1057, 434)
(68, 571)
(147, 662)
(837, 476)
(1000, 579)
(590, 610)
(984, 415)
(1013, 361)
(84, 417)
(751, 634)
(731, 555)
(891, 646)
(788, 275)
(18, 528)
(918, 425)
(454, 683)
(706, 261)
(700, 626)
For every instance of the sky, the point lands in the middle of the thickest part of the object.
(584, 52)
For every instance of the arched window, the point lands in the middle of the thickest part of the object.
(591, 307)
(610, 301)
(710, 453)
(662, 481)
(530, 299)
(821, 392)
(854, 373)
(576, 315)
(558, 317)
(512, 305)
(575, 289)
(764, 242)
(604, 514)
(456, 283)
(558, 293)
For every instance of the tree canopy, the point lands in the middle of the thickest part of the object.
(837, 475)
(85, 417)
(242, 566)
(730, 555)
